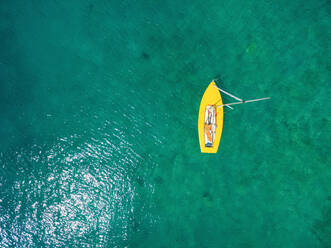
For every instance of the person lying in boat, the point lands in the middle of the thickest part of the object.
(208, 133)
(209, 115)
(210, 126)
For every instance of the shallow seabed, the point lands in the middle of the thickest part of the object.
(98, 124)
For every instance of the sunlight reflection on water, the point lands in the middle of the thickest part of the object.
(72, 193)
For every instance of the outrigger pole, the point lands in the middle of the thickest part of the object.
(253, 100)
(237, 98)
(227, 93)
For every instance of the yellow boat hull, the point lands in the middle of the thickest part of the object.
(210, 97)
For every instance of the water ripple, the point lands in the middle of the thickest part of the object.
(79, 191)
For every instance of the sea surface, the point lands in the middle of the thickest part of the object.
(99, 106)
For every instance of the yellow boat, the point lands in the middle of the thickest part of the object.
(210, 122)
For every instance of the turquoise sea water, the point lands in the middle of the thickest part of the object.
(98, 123)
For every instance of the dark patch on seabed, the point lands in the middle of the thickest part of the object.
(145, 55)
(322, 228)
